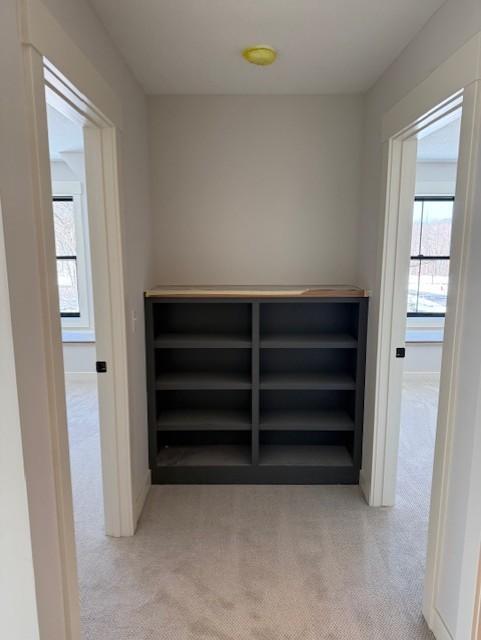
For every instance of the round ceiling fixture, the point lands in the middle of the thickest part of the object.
(261, 54)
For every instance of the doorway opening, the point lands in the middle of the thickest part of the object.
(427, 275)
(84, 218)
(76, 309)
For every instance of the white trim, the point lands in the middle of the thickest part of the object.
(364, 485)
(18, 605)
(450, 77)
(78, 336)
(82, 85)
(68, 615)
(438, 627)
(396, 255)
(142, 496)
(110, 327)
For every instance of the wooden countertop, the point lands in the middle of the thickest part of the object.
(252, 291)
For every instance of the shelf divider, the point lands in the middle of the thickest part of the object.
(255, 381)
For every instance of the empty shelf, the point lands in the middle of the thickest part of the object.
(203, 380)
(201, 341)
(304, 455)
(287, 420)
(204, 456)
(281, 380)
(208, 420)
(309, 341)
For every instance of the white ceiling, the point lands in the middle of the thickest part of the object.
(441, 145)
(325, 46)
(63, 134)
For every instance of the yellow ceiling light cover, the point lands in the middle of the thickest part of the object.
(261, 55)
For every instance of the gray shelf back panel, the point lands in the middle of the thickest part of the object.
(261, 390)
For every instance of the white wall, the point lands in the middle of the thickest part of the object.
(18, 609)
(79, 357)
(436, 178)
(61, 172)
(81, 23)
(256, 189)
(423, 357)
(450, 27)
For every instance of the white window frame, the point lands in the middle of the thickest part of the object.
(83, 326)
(426, 328)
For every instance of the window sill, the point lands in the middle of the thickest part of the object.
(69, 335)
(434, 336)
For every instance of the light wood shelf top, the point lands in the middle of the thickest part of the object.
(252, 291)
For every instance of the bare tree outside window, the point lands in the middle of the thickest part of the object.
(430, 253)
(66, 252)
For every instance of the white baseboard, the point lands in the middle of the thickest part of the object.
(438, 627)
(141, 498)
(80, 376)
(364, 486)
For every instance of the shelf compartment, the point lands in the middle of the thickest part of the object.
(203, 368)
(205, 456)
(204, 449)
(201, 341)
(203, 410)
(309, 341)
(292, 419)
(306, 381)
(308, 319)
(202, 380)
(305, 456)
(203, 420)
(307, 410)
(305, 448)
(210, 320)
(307, 369)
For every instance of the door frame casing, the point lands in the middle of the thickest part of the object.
(460, 75)
(103, 200)
(400, 190)
(49, 58)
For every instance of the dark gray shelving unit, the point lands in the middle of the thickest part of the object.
(255, 389)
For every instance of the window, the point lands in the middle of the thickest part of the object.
(73, 260)
(430, 249)
(66, 251)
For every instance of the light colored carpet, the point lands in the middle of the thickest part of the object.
(257, 562)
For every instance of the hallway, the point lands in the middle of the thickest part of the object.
(256, 562)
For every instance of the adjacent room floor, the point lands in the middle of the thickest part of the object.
(256, 562)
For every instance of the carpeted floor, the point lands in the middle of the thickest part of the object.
(257, 562)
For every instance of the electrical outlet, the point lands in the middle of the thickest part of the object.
(134, 320)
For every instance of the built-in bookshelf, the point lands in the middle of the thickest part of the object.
(255, 387)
